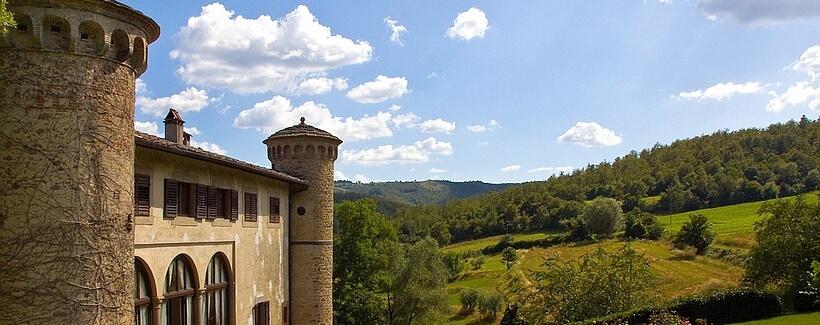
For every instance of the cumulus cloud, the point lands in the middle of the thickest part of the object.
(722, 91)
(809, 62)
(800, 93)
(321, 85)
(469, 24)
(437, 171)
(492, 125)
(759, 11)
(188, 100)
(277, 113)
(405, 119)
(251, 55)
(436, 126)
(590, 134)
(416, 153)
(511, 168)
(147, 127)
(395, 29)
(208, 146)
(379, 90)
(551, 170)
(339, 176)
(394, 108)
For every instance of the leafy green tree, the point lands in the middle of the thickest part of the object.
(455, 264)
(469, 299)
(603, 216)
(490, 304)
(509, 256)
(419, 293)
(441, 234)
(812, 180)
(6, 19)
(363, 247)
(697, 233)
(788, 241)
(597, 284)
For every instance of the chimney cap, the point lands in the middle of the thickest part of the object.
(173, 117)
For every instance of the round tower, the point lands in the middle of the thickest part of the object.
(308, 153)
(67, 78)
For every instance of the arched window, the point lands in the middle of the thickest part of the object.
(217, 298)
(178, 307)
(142, 294)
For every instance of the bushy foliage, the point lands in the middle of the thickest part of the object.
(597, 284)
(724, 307)
(477, 262)
(509, 256)
(469, 299)
(603, 216)
(697, 233)
(713, 170)
(6, 19)
(642, 225)
(454, 263)
(418, 294)
(788, 241)
(490, 304)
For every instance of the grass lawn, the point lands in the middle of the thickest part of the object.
(478, 244)
(795, 319)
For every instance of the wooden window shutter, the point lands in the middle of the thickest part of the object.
(142, 195)
(234, 204)
(250, 207)
(171, 201)
(201, 201)
(212, 197)
(274, 210)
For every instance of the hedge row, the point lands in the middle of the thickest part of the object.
(525, 244)
(731, 306)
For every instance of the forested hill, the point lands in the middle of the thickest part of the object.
(391, 195)
(712, 170)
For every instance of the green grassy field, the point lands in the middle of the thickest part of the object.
(478, 244)
(796, 319)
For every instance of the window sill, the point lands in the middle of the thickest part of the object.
(184, 221)
(221, 222)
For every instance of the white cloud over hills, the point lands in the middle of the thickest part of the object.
(590, 134)
(220, 49)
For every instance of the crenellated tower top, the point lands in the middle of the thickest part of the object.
(102, 28)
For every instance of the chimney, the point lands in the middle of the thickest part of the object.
(173, 127)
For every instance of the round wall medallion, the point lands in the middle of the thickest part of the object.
(300, 211)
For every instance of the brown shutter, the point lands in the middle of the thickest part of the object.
(234, 204)
(212, 197)
(274, 210)
(201, 201)
(171, 199)
(142, 195)
(250, 207)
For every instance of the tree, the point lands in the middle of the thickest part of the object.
(469, 299)
(509, 256)
(441, 234)
(603, 216)
(596, 284)
(812, 180)
(419, 293)
(6, 19)
(788, 241)
(490, 304)
(696, 233)
(364, 245)
(455, 264)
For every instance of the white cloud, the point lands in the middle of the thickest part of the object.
(722, 91)
(469, 24)
(140, 87)
(362, 179)
(188, 100)
(436, 171)
(590, 134)
(436, 126)
(416, 153)
(192, 130)
(207, 146)
(405, 119)
(482, 143)
(379, 90)
(434, 75)
(321, 85)
(339, 176)
(278, 113)
(492, 125)
(759, 11)
(809, 62)
(396, 30)
(551, 170)
(147, 127)
(799, 93)
(220, 49)
(511, 168)
(394, 108)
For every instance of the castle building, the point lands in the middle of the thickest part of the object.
(101, 224)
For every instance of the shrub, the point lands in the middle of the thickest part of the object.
(454, 264)
(477, 262)
(469, 299)
(696, 232)
(509, 256)
(640, 225)
(729, 255)
(687, 253)
(665, 318)
(603, 216)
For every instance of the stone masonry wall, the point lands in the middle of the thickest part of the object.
(66, 164)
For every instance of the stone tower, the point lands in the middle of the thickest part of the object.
(67, 78)
(308, 153)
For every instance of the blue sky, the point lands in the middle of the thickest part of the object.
(498, 91)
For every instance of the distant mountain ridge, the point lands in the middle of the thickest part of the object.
(391, 195)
